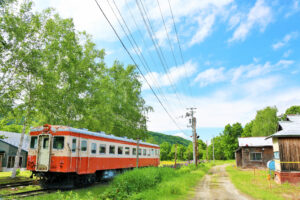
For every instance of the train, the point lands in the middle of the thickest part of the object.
(66, 157)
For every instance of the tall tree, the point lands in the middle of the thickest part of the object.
(165, 149)
(247, 131)
(265, 122)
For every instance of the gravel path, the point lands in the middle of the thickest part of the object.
(217, 186)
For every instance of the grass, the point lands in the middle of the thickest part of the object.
(258, 186)
(5, 177)
(19, 189)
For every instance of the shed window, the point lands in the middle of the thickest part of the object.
(111, 149)
(102, 149)
(83, 145)
(58, 142)
(133, 151)
(127, 150)
(144, 152)
(33, 142)
(73, 145)
(93, 148)
(255, 156)
(276, 155)
(11, 161)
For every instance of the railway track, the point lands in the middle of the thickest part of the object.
(17, 184)
(27, 193)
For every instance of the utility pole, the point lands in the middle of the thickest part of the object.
(192, 121)
(175, 155)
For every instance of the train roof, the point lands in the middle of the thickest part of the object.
(56, 128)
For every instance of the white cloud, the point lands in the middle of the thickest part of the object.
(295, 7)
(287, 53)
(260, 15)
(181, 134)
(285, 40)
(204, 29)
(175, 74)
(209, 76)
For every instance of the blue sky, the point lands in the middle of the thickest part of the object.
(239, 56)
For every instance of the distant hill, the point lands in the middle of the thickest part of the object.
(159, 138)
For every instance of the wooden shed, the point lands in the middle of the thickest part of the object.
(286, 145)
(9, 148)
(254, 152)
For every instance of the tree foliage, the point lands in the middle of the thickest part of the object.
(265, 122)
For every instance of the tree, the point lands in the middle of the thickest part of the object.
(188, 155)
(265, 122)
(247, 131)
(293, 110)
(165, 149)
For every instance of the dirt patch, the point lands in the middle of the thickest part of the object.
(217, 186)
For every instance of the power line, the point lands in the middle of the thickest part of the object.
(119, 38)
(139, 54)
(179, 45)
(157, 47)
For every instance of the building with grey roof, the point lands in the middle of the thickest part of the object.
(8, 150)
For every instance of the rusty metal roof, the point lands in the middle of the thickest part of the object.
(14, 139)
(254, 142)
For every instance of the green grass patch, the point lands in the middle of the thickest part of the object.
(5, 191)
(5, 177)
(258, 185)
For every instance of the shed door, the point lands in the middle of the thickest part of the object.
(43, 158)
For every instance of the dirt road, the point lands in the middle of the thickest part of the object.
(217, 186)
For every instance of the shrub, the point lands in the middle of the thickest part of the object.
(17, 172)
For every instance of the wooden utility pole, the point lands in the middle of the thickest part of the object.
(175, 155)
(137, 152)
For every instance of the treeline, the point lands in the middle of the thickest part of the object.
(265, 123)
(159, 138)
(51, 73)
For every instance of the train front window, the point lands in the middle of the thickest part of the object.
(58, 142)
(33, 142)
(83, 145)
(93, 148)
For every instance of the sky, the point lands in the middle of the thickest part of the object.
(232, 59)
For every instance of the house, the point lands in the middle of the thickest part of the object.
(254, 152)
(286, 145)
(8, 150)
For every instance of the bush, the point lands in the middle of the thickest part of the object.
(18, 172)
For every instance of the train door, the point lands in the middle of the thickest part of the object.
(43, 156)
(83, 157)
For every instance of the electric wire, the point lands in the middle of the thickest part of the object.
(139, 54)
(157, 47)
(133, 60)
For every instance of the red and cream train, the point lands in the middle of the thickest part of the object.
(65, 157)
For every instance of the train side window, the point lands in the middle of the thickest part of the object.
(58, 142)
(111, 149)
(33, 142)
(120, 150)
(149, 152)
(133, 151)
(144, 152)
(102, 149)
(140, 152)
(152, 152)
(74, 145)
(83, 145)
(156, 152)
(127, 150)
(93, 148)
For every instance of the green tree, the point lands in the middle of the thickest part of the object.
(247, 131)
(293, 110)
(188, 154)
(265, 122)
(165, 149)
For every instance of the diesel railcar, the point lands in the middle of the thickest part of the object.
(65, 157)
